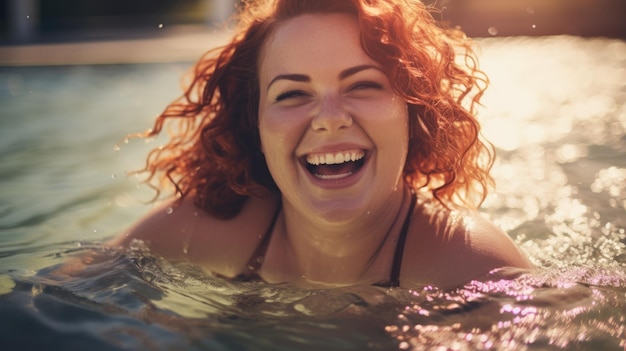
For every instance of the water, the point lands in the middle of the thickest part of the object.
(556, 112)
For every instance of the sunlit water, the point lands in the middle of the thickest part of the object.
(556, 112)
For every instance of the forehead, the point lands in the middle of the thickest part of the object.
(312, 42)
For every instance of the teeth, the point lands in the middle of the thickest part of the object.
(335, 158)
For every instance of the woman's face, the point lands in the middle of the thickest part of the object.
(334, 133)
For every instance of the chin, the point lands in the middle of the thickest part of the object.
(340, 210)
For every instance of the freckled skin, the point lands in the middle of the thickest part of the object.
(330, 97)
(329, 112)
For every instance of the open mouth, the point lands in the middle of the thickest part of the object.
(338, 165)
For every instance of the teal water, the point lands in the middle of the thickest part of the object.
(556, 112)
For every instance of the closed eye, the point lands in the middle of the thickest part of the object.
(364, 89)
(290, 94)
(366, 85)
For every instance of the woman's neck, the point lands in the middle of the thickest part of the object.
(348, 252)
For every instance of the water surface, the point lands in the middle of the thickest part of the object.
(556, 112)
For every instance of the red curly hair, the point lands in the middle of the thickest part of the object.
(214, 154)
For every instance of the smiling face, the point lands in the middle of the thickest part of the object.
(334, 133)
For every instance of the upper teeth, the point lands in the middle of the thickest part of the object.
(334, 158)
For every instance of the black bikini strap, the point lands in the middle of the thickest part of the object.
(397, 258)
(259, 254)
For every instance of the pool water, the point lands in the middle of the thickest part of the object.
(556, 112)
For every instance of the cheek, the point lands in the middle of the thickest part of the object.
(390, 121)
(393, 133)
(402, 120)
(270, 145)
(282, 126)
(270, 130)
(270, 137)
(278, 140)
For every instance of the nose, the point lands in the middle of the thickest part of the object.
(331, 116)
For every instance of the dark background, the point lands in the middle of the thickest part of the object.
(479, 18)
(587, 18)
(77, 14)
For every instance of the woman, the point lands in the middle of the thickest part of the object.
(330, 143)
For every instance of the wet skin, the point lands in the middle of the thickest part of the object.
(335, 138)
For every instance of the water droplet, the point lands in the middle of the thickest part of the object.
(113, 175)
(195, 214)
(36, 290)
(126, 140)
(492, 30)
(169, 210)
(185, 250)
(534, 26)
(27, 17)
(160, 25)
(116, 148)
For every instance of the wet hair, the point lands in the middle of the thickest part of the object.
(214, 151)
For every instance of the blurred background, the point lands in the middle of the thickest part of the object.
(76, 76)
(586, 18)
(44, 20)
(23, 21)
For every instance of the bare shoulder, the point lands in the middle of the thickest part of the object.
(447, 248)
(180, 231)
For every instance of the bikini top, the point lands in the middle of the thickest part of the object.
(394, 280)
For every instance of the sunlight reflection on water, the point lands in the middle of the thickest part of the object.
(544, 88)
(556, 112)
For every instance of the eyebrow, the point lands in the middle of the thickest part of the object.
(342, 75)
(293, 77)
(356, 69)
